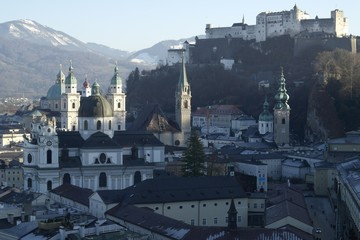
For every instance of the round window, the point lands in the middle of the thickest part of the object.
(102, 158)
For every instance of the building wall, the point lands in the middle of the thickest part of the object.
(259, 171)
(203, 212)
(324, 180)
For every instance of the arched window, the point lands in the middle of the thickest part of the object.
(102, 180)
(49, 157)
(186, 105)
(66, 179)
(137, 177)
(29, 158)
(73, 127)
(109, 124)
(283, 121)
(73, 105)
(56, 105)
(86, 125)
(119, 127)
(29, 183)
(49, 185)
(98, 125)
(119, 105)
(64, 105)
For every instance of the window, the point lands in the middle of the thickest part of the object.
(262, 205)
(49, 185)
(119, 105)
(283, 121)
(119, 127)
(216, 220)
(137, 177)
(239, 203)
(102, 157)
(86, 125)
(204, 221)
(73, 127)
(73, 105)
(255, 205)
(102, 180)
(29, 158)
(56, 105)
(192, 222)
(109, 124)
(168, 207)
(98, 125)
(49, 157)
(29, 183)
(64, 105)
(66, 178)
(204, 205)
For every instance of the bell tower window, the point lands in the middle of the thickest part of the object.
(86, 125)
(102, 180)
(48, 156)
(98, 125)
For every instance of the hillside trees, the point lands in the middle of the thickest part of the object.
(340, 71)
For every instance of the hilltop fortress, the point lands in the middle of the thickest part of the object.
(273, 24)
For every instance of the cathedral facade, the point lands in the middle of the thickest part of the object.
(88, 145)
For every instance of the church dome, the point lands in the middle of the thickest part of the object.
(95, 105)
(54, 92)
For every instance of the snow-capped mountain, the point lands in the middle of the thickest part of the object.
(34, 32)
(30, 55)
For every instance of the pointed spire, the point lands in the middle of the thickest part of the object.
(281, 96)
(232, 216)
(243, 20)
(265, 115)
(183, 84)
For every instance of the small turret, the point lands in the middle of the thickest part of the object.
(232, 216)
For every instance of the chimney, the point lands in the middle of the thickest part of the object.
(23, 216)
(97, 228)
(10, 218)
(82, 230)
(62, 233)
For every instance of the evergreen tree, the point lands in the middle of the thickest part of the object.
(194, 157)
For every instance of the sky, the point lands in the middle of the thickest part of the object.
(133, 25)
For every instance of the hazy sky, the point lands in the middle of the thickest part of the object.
(136, 24)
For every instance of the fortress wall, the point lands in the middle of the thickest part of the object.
(327, 44)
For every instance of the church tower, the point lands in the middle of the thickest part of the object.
(281, 114)
(183, 104)
(266, 120)
(117, 98)
(70, 102)
(86, 89)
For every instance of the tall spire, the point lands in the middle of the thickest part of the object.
(232, 216)
(183, 84)
(243, 20)
(281, 96)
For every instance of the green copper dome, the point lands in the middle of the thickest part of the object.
(116, 79)
(266, 116)
(95, 105)
(281, 97)
(70, 79)
(55, 91)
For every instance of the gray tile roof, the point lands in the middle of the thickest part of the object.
(136, 138)
(100, 140)
(74, 193)
(153, 119)
(70, 139)
(177, 189)
(287, 209)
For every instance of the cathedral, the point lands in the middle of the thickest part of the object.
(86, 142)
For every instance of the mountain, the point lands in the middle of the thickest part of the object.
(30, 55)
(157, 53)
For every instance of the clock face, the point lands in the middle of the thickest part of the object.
(49, 143)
